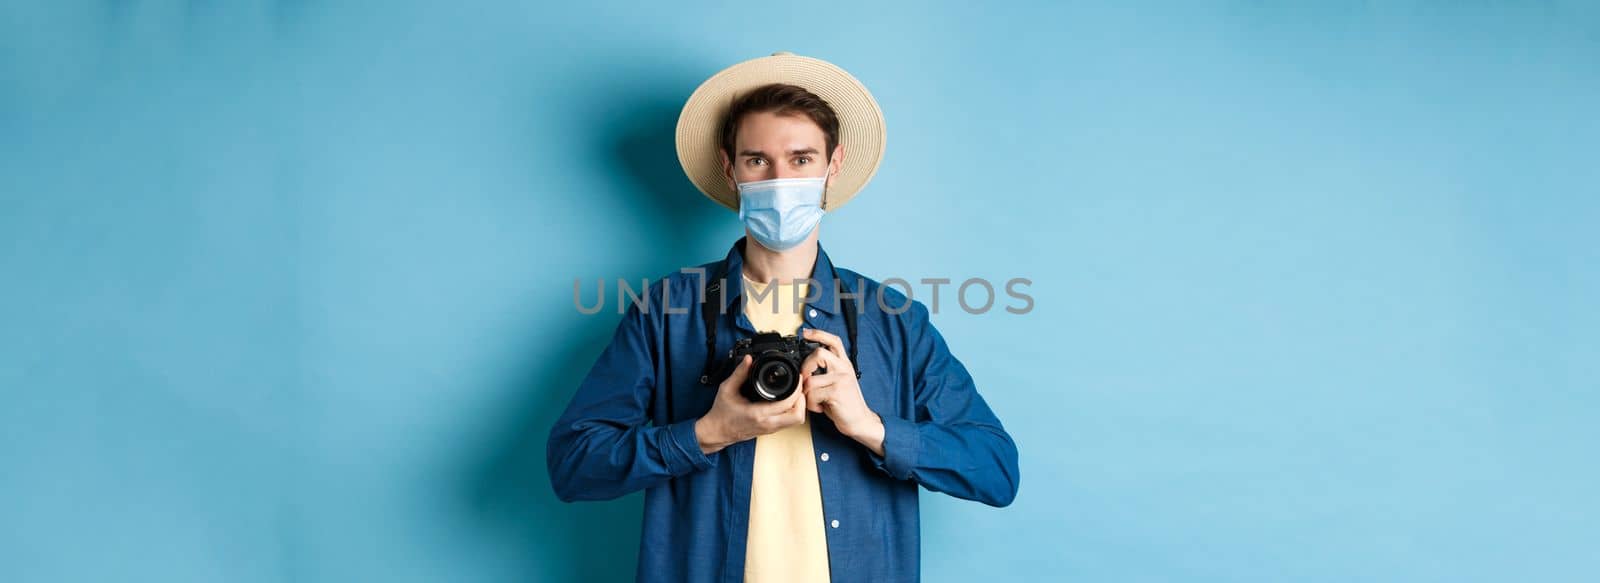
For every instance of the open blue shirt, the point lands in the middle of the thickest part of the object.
(630, 426)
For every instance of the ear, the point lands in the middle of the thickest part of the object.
(727, 171)
(837, 162)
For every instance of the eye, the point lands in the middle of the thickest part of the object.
(802, 161)
(754, 161)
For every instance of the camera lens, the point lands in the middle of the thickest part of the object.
(775, 380)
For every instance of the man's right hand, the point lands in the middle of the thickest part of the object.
(733, 418)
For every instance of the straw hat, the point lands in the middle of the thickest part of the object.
(861, 129)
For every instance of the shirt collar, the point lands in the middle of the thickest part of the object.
(821, 277)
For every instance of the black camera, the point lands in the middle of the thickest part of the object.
(774, 366)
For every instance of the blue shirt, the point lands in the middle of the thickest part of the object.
(630, 427)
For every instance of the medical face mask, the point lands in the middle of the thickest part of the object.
(782, 212)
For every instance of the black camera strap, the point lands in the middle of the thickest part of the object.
(711, 307)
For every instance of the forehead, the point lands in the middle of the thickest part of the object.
(793, 131)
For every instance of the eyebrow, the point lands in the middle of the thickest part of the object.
(812, 151)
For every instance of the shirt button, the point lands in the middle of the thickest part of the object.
(835, 524)
(812, 313)
(824, 456)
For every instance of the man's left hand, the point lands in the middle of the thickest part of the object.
(836, 392)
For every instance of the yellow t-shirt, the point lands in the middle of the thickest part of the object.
(786, 540)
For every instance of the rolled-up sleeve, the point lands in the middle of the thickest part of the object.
(603, 446)
(954, 444)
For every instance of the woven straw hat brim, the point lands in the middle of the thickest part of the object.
(861, 127)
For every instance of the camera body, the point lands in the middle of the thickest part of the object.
(774, 367)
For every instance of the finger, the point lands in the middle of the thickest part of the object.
(785, 412)
(834, 356)
(827, 339)
(812, 362)
(805, 387)
(829, 361)
(800, 411)
(835, 362)
(740, 373)
(817, 398)
(779, 407)
(798, 395)
(822, 381)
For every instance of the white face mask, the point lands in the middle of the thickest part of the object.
(782, 212)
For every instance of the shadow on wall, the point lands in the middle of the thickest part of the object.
(508, 489)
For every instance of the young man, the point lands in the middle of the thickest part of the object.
(820, 484)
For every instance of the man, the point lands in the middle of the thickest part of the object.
(821, 484)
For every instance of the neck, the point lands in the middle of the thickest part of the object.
(764, 265)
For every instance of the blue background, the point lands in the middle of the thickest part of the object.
(287, 286)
